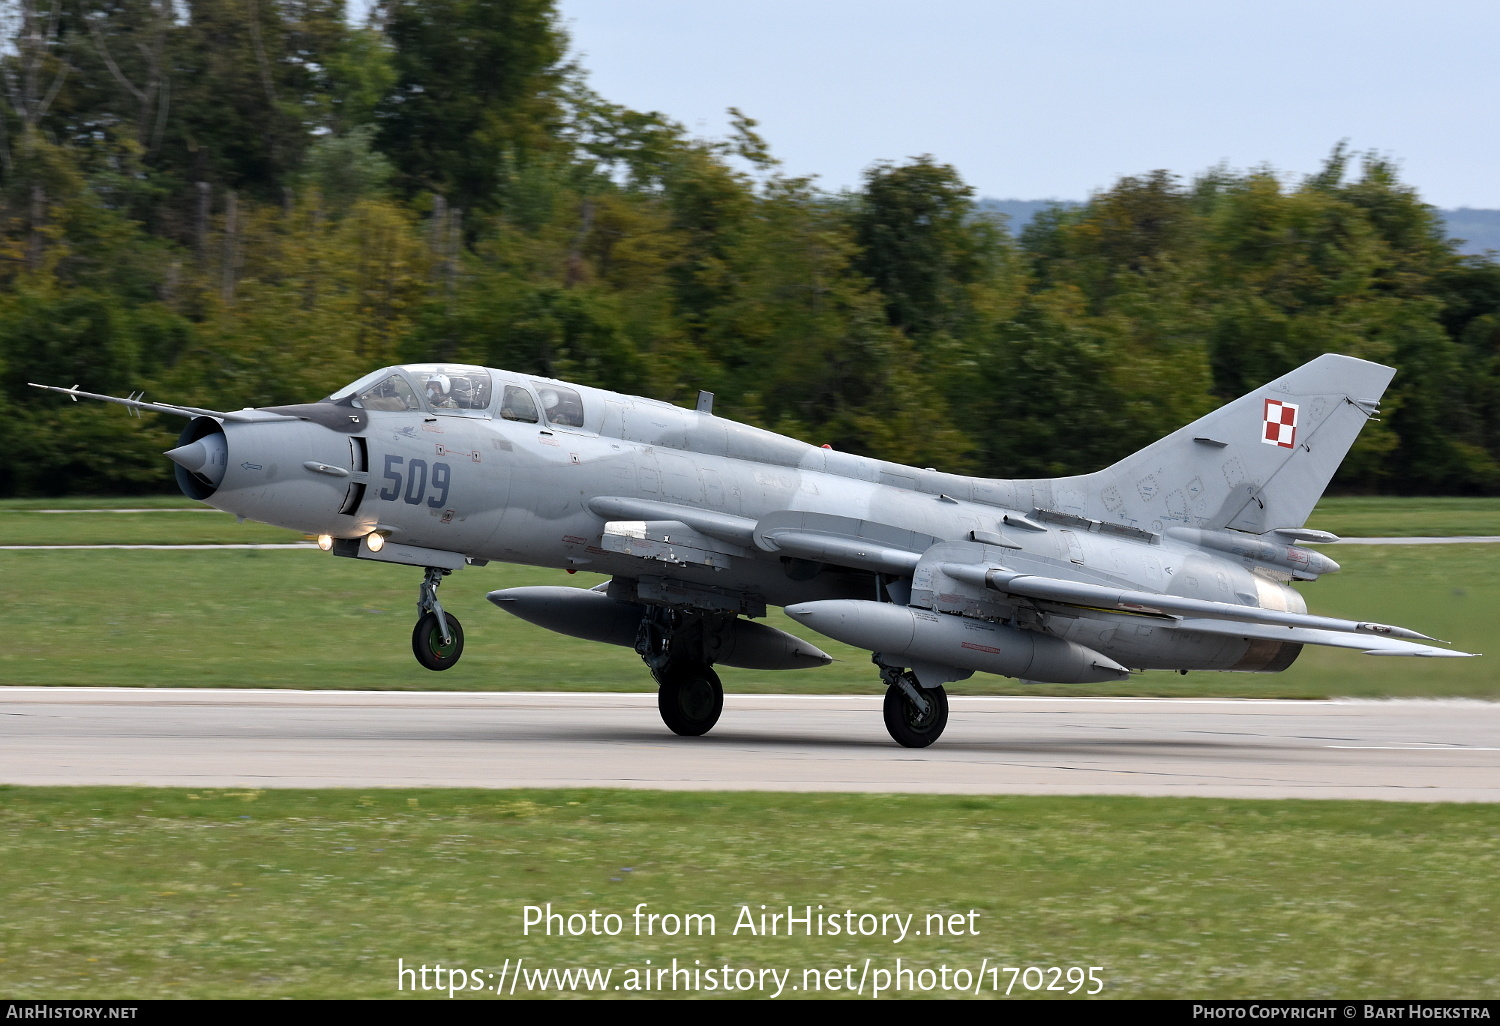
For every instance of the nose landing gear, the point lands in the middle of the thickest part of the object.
(438, 639)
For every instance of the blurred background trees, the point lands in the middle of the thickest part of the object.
(247, 202)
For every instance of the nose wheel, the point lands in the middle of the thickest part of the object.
(431, 648)
(438, 639)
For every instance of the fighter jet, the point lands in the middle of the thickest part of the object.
(1179, 557)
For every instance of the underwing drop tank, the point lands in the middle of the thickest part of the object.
(594, 616)
(898, 632)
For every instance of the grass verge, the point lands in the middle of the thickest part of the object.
(159, 527)
(306, 619)
(1350, 516)
(175, 500)
(146, 893)
(1407, 517)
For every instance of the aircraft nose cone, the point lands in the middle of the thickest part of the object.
(207, 457)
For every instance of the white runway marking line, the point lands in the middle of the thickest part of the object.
(649, 696)
(230, 545)
(1472, 539)
(161, 509)
(1417, 746)
(157, 509)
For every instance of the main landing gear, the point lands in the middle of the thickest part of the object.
(438, 639)
(915, 716)
(689, 695)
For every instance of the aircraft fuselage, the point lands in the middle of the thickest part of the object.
(493, 489)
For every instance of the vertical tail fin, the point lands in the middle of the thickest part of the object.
(1256, 464)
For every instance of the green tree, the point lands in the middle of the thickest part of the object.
(475, 94)
(922, 245)
(250, 84)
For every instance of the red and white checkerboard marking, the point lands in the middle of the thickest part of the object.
(1281, 424)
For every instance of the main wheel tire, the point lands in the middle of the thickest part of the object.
(427, 642)
(690, 700)
(909, 726)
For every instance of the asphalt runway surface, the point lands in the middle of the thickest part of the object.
(1398, 750)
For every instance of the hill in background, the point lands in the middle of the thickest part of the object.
(1479, 229)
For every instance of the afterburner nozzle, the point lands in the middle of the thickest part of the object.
(207, 457)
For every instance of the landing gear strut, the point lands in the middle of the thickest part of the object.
(438, 639)
(915, 716)
(689, 695)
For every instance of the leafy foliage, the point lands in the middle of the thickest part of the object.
(231, 202)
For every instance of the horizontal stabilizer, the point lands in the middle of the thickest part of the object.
(1072, 593)
(1307, 636)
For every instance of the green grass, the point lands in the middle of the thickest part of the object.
(1450, 592)
(173, 501)
(1354, 517)
(1390, 517)
(307, 619)
(160, 527)
(137, 893)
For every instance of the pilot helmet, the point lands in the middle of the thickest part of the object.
(438, 384)
(550, 399)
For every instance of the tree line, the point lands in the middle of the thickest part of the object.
(234, 203)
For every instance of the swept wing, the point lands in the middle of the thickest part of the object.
(1206, 616)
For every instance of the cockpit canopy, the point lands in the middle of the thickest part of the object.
(458, 388)
(444, 386)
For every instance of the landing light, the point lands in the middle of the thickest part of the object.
(375, 541)
(325, 542)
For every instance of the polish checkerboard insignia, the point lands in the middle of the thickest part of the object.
(1280, 424)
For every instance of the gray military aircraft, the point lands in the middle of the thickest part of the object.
(1179, 557)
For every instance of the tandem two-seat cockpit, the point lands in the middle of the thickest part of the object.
(458, 389)
(452, 390)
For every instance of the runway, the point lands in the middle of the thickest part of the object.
(1387, 750)
(312, 546)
